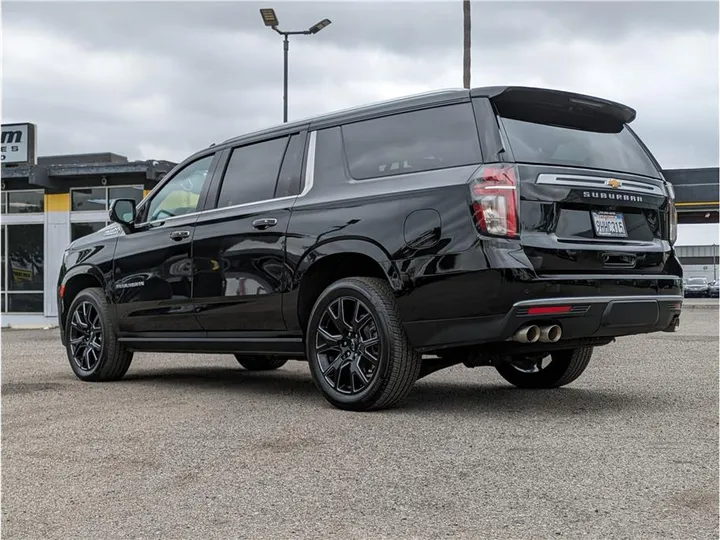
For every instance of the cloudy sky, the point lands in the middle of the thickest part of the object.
(160, 80)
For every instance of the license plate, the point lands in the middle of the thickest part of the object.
(610, 224)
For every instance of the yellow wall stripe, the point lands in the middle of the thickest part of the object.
(57, 202)
(713, 203)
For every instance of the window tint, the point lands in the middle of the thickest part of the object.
(593, 146)
(181, 194)
(252, 173)
(424, 140)
(291, 171)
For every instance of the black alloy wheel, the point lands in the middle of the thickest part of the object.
(92, 347)
(86, 337)
(347, 345)
(360, 358)
(550, 370)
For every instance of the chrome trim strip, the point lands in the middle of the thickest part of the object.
(310, 165)
(596, 300)
(597, 182)
(309, 181)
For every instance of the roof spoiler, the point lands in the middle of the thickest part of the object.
(555, 98)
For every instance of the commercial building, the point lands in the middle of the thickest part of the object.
(45, 203)
(49, 201)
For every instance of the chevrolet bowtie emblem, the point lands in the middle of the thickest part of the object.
(613, 183)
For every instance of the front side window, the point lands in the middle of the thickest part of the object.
(252, 173)
(437, 138)
(182, 193)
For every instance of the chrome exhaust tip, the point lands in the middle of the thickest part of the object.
(527, 334)
(550, 334)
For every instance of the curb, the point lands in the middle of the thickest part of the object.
(700, 306)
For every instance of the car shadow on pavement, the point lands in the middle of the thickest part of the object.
(490, 398)
(459, 398)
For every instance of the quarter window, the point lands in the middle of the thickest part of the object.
(252, 173)
(291, 170)
(424, 140)
(182, 192)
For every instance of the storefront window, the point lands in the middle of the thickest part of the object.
(23, 267)
(132, 192)
(25, 303)
(89, 199)
(78, 230)
(23, 202)
(100, 198)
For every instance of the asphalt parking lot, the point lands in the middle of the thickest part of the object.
(194, 447)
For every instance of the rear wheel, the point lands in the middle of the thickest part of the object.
(545, 371)
(359, 356)
(260, 363)
(91, 344)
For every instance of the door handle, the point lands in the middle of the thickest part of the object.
(264, 223)
(179, 235)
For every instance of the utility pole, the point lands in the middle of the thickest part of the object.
(466, 43)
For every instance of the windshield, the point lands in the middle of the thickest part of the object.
(609, 149)
(698, 281)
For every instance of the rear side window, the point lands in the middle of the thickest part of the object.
(582, 143)
(424, 140)
(252, 173)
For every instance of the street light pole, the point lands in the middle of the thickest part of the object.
(271, 20)
(286, 47)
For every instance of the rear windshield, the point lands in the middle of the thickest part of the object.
(697, 281)
(612, 149)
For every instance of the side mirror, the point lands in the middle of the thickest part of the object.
(123, 211)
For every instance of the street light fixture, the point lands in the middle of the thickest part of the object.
(271, 20)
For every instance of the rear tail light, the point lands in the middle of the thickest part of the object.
(494, 194)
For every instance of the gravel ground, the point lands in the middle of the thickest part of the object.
(194, 447)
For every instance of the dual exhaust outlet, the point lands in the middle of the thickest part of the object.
(533, 333)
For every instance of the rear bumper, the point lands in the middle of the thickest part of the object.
(590, 318)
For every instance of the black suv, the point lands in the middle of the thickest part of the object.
(508, 226)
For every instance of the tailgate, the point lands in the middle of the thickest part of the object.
(591, 197)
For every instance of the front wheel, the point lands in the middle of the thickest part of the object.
(561, 368)
(92, 346)
(359, 356)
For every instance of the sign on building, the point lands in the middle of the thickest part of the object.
(19, 144)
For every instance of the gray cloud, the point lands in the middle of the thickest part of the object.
(162, 79)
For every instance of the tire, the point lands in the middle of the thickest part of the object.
(377, 349)
(260, 363)
(564, 368)
(108, 361)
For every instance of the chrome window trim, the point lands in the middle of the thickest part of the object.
(598, 182)
(309, 181)
(309, 176)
